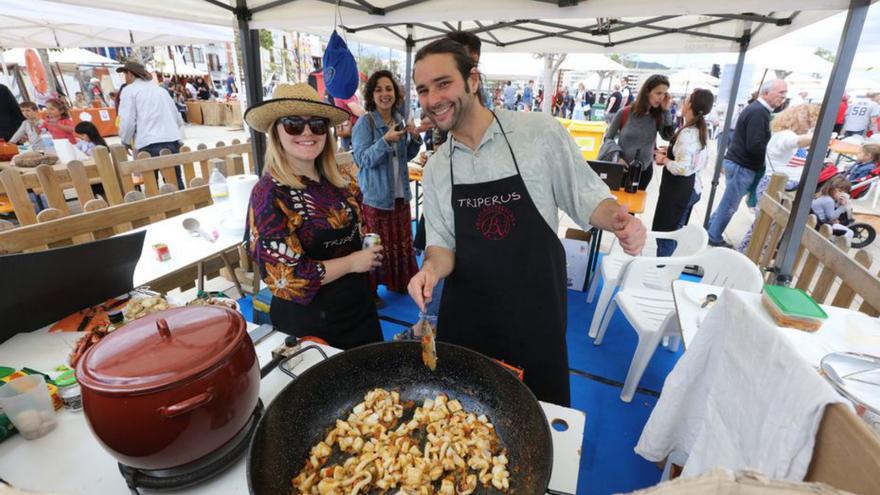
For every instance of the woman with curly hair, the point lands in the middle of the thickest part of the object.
(383, 144)
(791, 129)
(305, 224)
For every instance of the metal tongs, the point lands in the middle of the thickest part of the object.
(426, 329)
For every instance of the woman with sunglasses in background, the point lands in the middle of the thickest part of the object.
(383, 144)
(305, 224)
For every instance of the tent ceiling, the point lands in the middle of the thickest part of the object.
(43, 24)
(518, 25)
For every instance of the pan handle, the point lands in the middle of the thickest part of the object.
(290, 373)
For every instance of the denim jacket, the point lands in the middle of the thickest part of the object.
(373, 157)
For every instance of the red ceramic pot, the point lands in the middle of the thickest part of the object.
(171, 387)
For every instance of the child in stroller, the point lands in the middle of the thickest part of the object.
(866, 164)
(831, 205)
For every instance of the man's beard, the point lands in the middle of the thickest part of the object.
(460, 107)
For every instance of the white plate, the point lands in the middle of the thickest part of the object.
(861, 334)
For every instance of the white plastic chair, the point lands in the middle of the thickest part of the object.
(691, 239)
(651, 311)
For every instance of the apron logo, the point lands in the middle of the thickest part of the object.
(495, 222)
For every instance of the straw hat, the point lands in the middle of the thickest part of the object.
(292, 99)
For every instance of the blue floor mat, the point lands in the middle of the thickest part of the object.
(611, 359)
(398, 307)
(608, 462)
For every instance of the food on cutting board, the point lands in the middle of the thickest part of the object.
(442, 450)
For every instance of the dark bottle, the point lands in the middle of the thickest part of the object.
(633, 174)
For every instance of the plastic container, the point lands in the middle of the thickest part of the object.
(26, 402)
(793, 308)
(588, 136)
(69, 391)
(218, 186)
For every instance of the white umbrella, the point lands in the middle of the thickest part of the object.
(685, 80)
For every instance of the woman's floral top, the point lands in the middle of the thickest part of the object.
(283, 220)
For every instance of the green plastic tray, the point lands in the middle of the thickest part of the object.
(794, 302)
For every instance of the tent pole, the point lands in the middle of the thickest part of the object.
(728, 119)
(5, 69)
(408, 74)
(797, 221)
(253, 75)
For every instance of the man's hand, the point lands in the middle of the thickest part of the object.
(421, 287)
(630, 232)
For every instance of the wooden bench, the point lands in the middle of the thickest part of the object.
(824, 266)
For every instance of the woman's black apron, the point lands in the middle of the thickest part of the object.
(506, 297)
(343, 313)
(674, 198)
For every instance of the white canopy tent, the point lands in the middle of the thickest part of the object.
(74, 56)
(515, 25)
(685, 80)
(44, 24)
(560, 26)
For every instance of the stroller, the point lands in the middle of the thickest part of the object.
(863, 233)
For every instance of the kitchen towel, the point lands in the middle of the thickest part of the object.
(741, 397)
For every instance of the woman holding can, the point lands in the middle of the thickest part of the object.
(305, 224)
(383, 144)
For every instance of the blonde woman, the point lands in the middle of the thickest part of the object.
(791, 129)
(305, 223)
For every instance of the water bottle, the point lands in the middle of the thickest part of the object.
(46, 139)
(218, 186)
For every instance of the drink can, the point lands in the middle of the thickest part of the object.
(371, 240)
(162, 251)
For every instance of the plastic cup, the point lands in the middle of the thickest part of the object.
(26, 402)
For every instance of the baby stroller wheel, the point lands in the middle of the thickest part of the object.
(863, 235)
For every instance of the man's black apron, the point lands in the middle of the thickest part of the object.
(506, 297)
(343, 313)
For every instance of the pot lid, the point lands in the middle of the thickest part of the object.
(161, 349)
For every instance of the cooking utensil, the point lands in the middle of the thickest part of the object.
(195, 228)
(171, 387)
(426, 328)
(302, 413)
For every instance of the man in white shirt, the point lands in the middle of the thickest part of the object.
(859, 117)
(148, 118)
(492, 195)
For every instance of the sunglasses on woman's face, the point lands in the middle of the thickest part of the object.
(296, 125)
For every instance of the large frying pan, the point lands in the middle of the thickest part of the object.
(302, 414)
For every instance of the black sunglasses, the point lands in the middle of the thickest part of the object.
(296, 125)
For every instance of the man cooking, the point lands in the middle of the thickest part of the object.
(491, 198)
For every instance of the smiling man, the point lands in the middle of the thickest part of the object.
(492, 194)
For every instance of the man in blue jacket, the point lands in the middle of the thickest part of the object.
(745, 156)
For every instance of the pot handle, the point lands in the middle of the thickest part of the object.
(187, 405)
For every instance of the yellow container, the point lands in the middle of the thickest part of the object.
(565, 122)
(588, 136)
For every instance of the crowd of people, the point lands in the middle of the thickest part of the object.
(499, 171)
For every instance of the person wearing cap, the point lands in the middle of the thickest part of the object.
(148, 116)
(305, 224)
(95, 92)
